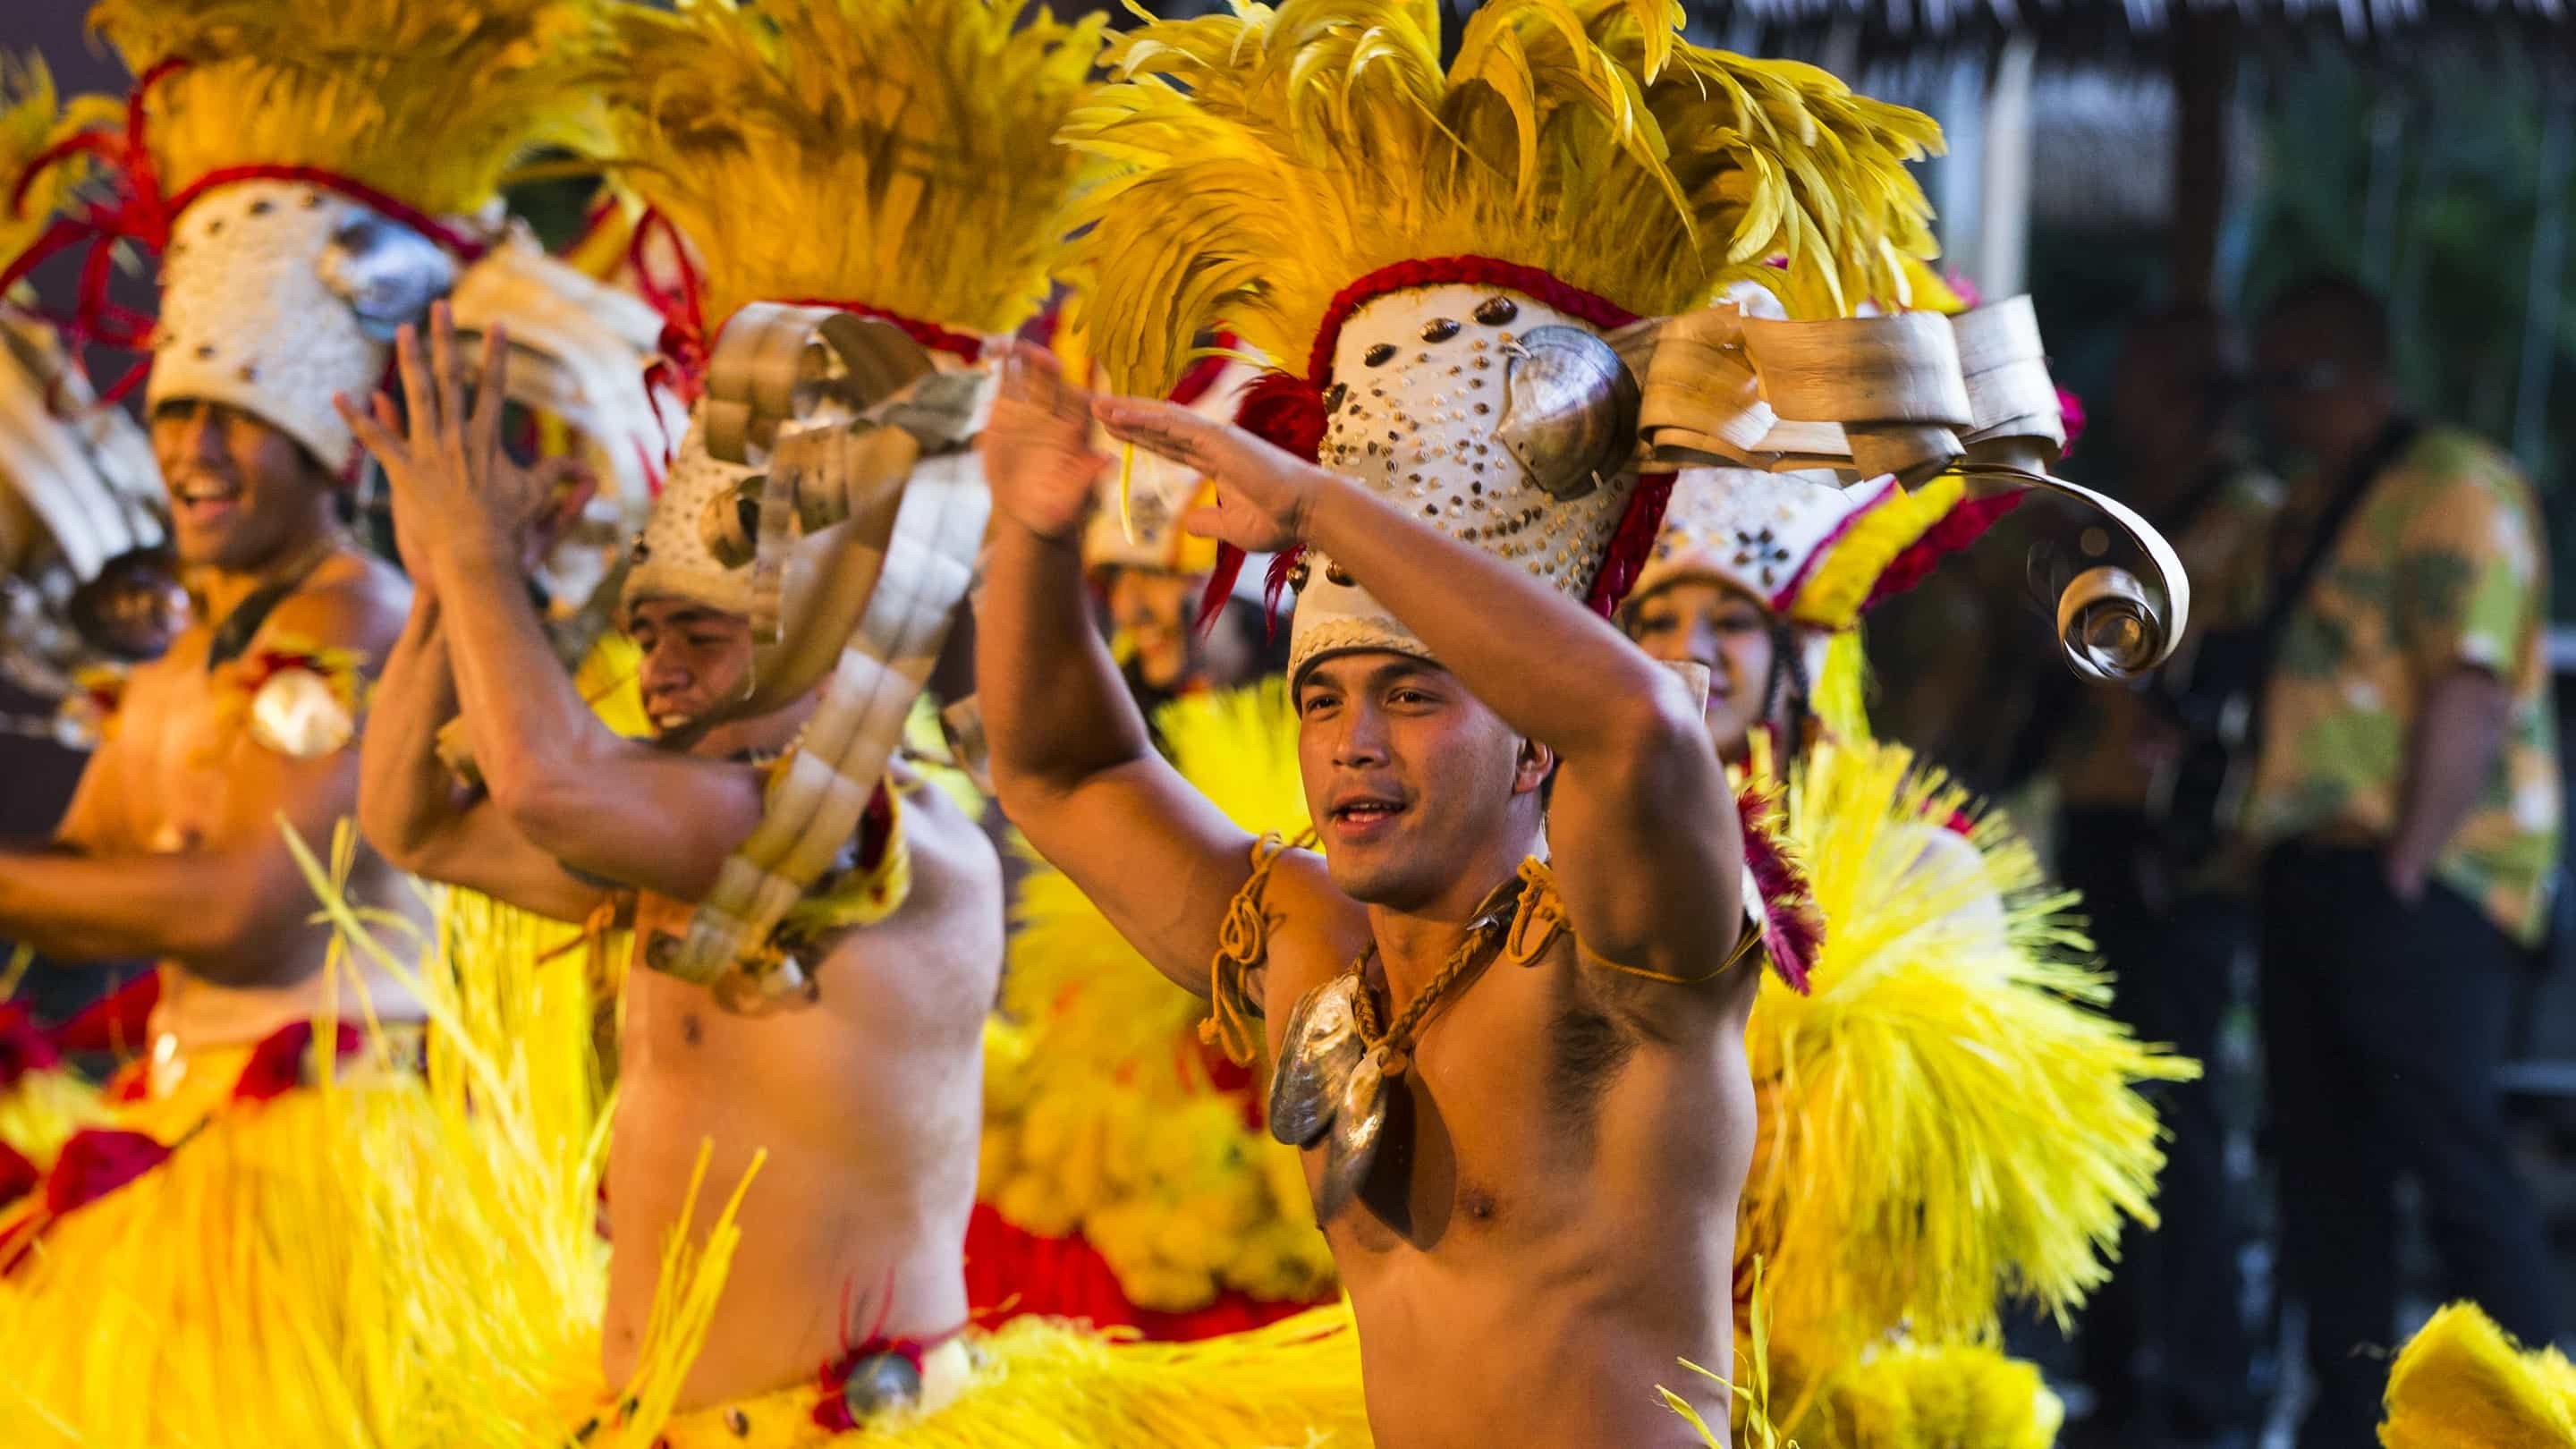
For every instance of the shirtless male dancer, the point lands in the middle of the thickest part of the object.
(1507, 1024)
(1549, 1223)
(867, 1101)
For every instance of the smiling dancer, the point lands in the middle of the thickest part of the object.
(300, 171)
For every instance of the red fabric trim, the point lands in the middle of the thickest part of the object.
(1530, 282)
(121, 1021)
(23, 1047)
(1011, 1273)
(464, 247)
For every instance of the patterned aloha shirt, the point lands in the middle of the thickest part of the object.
(2443, 564)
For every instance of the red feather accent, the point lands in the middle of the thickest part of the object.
(18, 1176)
(98, 1161)
(118, 1022)
(1793, 933)
(2070, 408)
(1963, 525)
(276, 1065)
(23, 1048)
(1287, 412)
(1632, 545)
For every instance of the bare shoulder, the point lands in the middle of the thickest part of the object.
(354, 600)
(1311, 930)
(950, 851)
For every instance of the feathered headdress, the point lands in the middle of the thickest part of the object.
(894, 154)
(429, 101)
(1274, 156)
(306, 168)
(1432, 241)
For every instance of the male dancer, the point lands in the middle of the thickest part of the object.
(223, 1214)
(858, 1099)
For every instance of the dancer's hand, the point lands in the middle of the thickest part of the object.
(1263, 494)
(1037, 449)
(453, 484)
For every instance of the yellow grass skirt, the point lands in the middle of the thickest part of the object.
(385, 1257)
(2462, 1384)
(1044, 1384)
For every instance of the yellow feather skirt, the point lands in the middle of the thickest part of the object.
(2462, 1384)
(1045, 1384)
(383, 1257)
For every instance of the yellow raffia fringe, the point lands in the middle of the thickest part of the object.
(361, 1262)
(1949, 1118)
(1099, 1113)
(431, 101)
(898, 153)
(1272, 156)
(2462, 1384)
(1048, 1385)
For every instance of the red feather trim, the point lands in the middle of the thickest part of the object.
(1963, 525)
(1632, 544)
(23, 1048)
(1793, 933)
(120, 1021)
(276, 1065)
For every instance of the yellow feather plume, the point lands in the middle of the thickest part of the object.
(431, 101)
(2461, 1382)
(1949, 1118)
(1272, 156)
(892, 152)
(32, 117)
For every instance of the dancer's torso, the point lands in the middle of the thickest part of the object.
(1550, 1225)
(189, 776)
(868, 1104)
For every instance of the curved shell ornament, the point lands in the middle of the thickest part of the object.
(1321, 1048)
(1569, 409)
(388, 273)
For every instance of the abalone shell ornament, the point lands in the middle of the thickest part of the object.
(1570, 409)
(386, 272)
(1321, 1049)
(1350, 1147)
